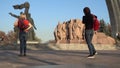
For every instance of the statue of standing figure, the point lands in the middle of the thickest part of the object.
(60, 32)
(26, 5)
(70, 31)
(77, 29)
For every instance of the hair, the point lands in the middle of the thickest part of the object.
(21, 12)
(86, 10)
(23, 15)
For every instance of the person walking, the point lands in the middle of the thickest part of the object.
(88, 21)
(24, 25)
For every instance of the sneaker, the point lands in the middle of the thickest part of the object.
(20, 55)
(91, 56)
(95, 53)
(24, 54)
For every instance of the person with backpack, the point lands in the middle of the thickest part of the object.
(88, 21)
(24, 25)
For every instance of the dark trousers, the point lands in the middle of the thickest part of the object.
(88, 36)
(23, 40)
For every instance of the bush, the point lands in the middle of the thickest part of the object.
(8, 38)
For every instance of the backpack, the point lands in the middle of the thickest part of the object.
(22, 24)
(96, 23)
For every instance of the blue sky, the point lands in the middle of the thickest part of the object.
(47, 13)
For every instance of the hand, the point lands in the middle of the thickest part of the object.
(25, 30)
(95, 32)
(10, 13)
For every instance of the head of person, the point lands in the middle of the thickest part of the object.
(95, 16)
(86, 11)
(22, 15)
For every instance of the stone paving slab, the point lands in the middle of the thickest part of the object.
(59, 59)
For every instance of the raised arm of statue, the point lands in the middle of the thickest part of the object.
(13, 15)
(26, 10)
(26, 6)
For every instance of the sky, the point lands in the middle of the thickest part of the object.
(47, 13)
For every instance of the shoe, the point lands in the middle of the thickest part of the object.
(24, 54)
(95, 53)
(20, 55)
(91, 56)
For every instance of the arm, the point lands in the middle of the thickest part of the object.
(30, 26)
(83, 29)
(16, 23)
(83, 32)
(83, 20)
(26, 11)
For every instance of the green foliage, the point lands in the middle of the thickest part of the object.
(105, 27)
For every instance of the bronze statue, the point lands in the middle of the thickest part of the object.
(26, 5)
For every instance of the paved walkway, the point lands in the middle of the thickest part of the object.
(59, 59)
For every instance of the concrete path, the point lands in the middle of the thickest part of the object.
(59, 59)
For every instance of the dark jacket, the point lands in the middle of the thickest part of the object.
(88, 21)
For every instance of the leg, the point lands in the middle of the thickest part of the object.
(21, 47)
(25, 40)
(21, 43)
(24, 47)
(88, 41)
(91, 37)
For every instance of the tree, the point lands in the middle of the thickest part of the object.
(2, 35)
(105, 27)
(102, 26)
(11, 37)
(108, 29)
(8, 38)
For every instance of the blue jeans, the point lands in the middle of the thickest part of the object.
(88, 36)
(23, 39)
